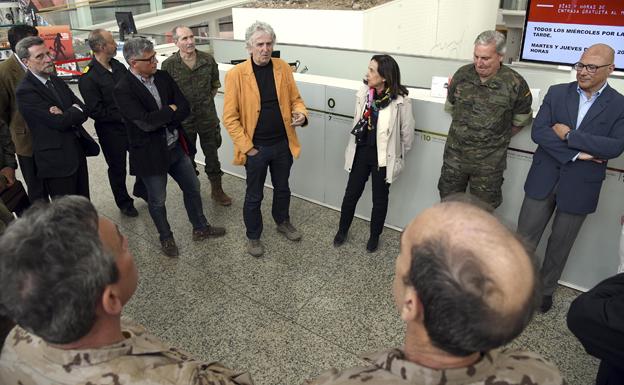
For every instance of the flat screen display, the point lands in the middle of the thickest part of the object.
(558, 31)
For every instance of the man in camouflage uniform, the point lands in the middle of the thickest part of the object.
(197, 75)
(464, 286)
(65, 276)
(489, 103)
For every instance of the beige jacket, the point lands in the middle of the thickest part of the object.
(395, 134)
(140, 359)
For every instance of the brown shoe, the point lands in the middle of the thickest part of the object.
(208, 232)
(217, 194)
(255, 247)
(289, 230)
(169, 248)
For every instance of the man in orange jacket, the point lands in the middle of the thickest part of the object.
(262, 107)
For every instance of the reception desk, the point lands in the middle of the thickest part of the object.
(318, 175)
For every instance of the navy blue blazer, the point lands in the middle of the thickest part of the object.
(56, 138)
(601, 133)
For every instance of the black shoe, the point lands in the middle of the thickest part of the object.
(547, 302)
(372, 244)
(339, 239)
(169, 247)
(130, 211)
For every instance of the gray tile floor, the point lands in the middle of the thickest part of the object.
(302, 308)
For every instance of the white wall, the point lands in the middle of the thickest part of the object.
(327, 28)
(440, 28)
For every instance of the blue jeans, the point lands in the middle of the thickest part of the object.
(181, 170)
(278, 159)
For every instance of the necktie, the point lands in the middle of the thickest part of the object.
(52, 89)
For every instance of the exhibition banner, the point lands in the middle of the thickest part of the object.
(558, 31)
(58, 39)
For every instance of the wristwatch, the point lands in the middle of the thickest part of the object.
(567, 135)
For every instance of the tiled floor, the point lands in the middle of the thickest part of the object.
(300, 309)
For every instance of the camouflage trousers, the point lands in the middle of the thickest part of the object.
(210, 141)
(485, 181)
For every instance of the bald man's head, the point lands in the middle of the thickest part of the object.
(601, 50)
(472, 275)
(600, 56)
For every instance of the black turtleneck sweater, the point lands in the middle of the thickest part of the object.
(270, 128)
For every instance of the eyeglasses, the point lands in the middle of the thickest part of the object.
(151, 59)
(591, 68)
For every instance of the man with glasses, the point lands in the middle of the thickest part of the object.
(579, 126)
(12, 71)
(153, 108)
(55, 116)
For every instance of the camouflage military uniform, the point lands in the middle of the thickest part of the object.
(196, 85)
(140, 359)
(483, 114)
(498, 367)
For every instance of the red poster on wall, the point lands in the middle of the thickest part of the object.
(58, 39)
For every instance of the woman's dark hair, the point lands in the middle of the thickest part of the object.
(388, 69)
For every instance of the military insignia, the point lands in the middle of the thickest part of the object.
(86, 69)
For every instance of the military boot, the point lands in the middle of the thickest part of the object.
(218, 195)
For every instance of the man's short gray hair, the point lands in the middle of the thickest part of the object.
(96, 39)
(174, 32)
(492, 37)
(135, 47)
(53, 269)
(23, 46)
(258, 26)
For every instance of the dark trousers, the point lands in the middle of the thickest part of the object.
(115, 147)
(35, 186)
(609, 374)
(75, 184)
(365, 164)
(181, 170)
(533, 218)
(279, 160)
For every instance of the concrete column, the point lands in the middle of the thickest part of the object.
(213, 27)
(81, 16)
(156, 5)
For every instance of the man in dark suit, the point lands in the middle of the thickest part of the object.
(54, 115)
(153, 108)
(97, 86)
(597, 319)
(579, 127)
(12, 71)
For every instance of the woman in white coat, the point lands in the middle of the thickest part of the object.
(383, 133)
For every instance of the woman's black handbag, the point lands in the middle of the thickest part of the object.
(358, 130)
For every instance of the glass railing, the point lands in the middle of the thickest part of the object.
(82, 52)
(101, 11)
